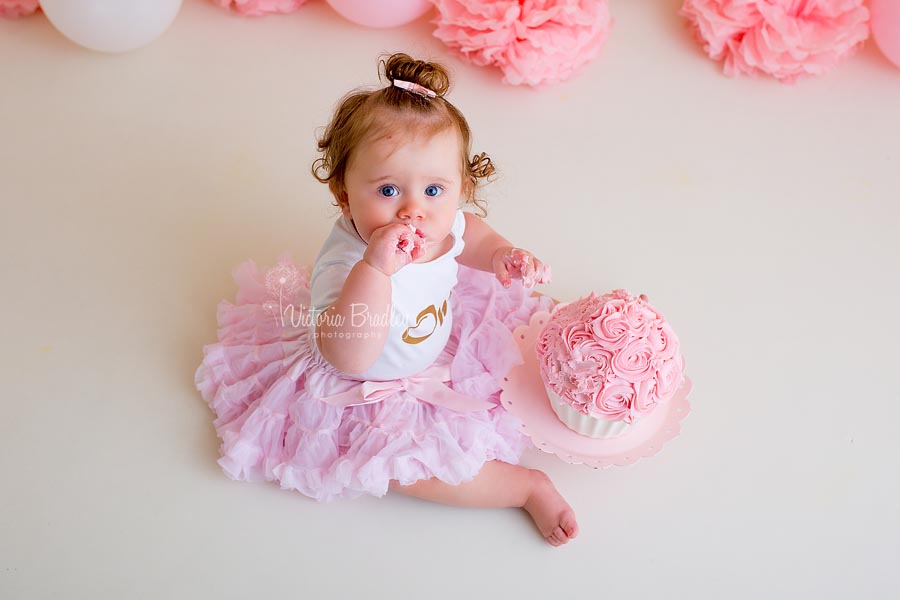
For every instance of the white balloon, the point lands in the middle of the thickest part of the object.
(111, 25)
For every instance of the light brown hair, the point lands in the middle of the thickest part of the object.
(364, 113)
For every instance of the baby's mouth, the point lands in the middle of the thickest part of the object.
(415, 230)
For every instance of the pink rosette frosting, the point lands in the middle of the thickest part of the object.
(533, 42)
(256, 8)
(636, 361)
(11, 9)
(612, 357)
(614, 402)
(786, 39)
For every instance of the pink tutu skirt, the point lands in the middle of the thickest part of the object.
(265, 381)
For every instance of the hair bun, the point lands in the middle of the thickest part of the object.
(427, 74)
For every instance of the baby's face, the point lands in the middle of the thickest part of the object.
(403, 179)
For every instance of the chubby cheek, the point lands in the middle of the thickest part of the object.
(369, 219)
(441, 226)
(365, 228)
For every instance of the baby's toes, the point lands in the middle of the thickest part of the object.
(551, 539)
(559, 534)
(568, 524)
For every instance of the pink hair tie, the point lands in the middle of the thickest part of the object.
(415, 88)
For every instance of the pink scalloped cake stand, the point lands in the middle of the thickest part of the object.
(524, 396)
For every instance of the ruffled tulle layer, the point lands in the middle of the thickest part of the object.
(264, 381)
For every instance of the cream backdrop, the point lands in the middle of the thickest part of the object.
(762, 218)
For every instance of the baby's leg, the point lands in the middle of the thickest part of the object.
(501, 484)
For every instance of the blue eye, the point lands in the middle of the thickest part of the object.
(388, 191)
(434, 190)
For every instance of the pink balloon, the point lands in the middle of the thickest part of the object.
(885, 21)
(383, 13)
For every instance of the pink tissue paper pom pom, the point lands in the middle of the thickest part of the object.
(533, 42)
(17, 8)
(256, 8)
(786, 39)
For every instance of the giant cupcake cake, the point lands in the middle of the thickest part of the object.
(607, 362)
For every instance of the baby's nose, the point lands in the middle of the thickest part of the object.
(411, 209)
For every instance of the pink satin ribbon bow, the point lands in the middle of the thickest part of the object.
(427, 386)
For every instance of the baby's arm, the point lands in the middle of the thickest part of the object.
(353, 347)
(489, 251)
(353, 330)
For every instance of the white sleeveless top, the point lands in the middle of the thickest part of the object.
(420, 300)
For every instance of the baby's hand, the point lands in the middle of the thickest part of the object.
(394, 246)
(514, 263)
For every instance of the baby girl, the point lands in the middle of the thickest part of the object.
(394, 385)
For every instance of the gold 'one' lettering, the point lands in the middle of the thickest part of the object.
(416, 334)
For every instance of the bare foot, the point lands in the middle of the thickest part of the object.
(553, 516)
